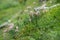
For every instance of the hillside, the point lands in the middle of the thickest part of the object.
(29, 20)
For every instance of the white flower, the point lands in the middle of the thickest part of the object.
(31, 13)
(29, 7)
(34, 2)
(16, 29)
(30, 19)
(42, 6)
(45, 11)
(37, 9)
(37, 13)
(25, 10)
(9, 20)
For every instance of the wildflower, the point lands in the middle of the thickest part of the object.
(16, 29)
(29, 7)
(37, 13)
(34, 2)
(42, 7)
(31, 13)
(9, 20)
(25, 10)
(37, 9)
(30, 19)
(45, 11)
(11, 25)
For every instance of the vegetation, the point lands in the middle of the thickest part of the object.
(29, 20)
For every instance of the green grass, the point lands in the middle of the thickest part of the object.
(46, 28)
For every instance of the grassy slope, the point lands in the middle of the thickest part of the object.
(50, 21)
